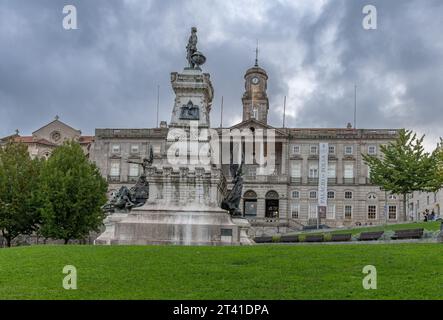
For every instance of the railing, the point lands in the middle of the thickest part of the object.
(312, 180)
(348, 180)
(267, 221)
(132, 178)
(296, 180)
(113, 178)
(332, 181)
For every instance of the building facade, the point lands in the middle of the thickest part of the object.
(287, 198)
(43, 141)
(419, 202)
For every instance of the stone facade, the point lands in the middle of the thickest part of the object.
(419, 201)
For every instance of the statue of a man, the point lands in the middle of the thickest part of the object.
(191, 48)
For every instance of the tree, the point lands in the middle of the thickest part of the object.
(405, 167)
(19, 176)
(72, 192)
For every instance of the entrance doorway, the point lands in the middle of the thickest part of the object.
(272, 205)
(250, 204)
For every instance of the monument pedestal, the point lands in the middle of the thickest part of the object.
(175, 225)
(183, 209)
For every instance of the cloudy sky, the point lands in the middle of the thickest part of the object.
(105, 74)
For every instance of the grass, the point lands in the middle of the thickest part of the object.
(428, 226)
(405, 271)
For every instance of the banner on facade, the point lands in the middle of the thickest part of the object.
(322, 179)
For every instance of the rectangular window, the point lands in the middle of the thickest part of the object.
(295, 194)
(314, 149)
(115, 169)
(348, 194)
(296, 149)
(313, 195)
(348, 212)
(331, 195)
(115, 148)
(133, 170)
(135, 149)
(313, 171)
(349, 171)
(392, 212)
(330, 213)
(372, 150)
(331, 170)
(372, 212)
(295, 169)
(348, 150)
(331, 150)
(295, 210)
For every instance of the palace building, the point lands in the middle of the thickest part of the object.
(287, 199)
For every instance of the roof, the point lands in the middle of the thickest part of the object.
(86, 139)
(57, 121)
(30, 139)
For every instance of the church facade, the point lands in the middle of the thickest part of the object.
(286, 199)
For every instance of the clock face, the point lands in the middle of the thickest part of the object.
(255, 80)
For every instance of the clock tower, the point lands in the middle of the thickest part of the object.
(255, 100)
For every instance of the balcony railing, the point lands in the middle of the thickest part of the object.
(296, 180)
(132, 178)
(113, 178)
(348, 180)
(332, 181)
(312, 180)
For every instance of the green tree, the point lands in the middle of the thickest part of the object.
(405, 167)
(72, 192)
(19, 176)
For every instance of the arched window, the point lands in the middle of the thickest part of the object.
(272, 195)
(250, 195)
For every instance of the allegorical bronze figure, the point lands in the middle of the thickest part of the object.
(126, 199)
(232, 200)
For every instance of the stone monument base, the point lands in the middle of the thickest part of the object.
(151, 224)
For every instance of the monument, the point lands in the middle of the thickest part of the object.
(179, 201)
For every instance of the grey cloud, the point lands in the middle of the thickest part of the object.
(106, 73)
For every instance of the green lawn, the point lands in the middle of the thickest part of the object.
(405, 271)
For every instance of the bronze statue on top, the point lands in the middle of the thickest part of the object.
(194, 57)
